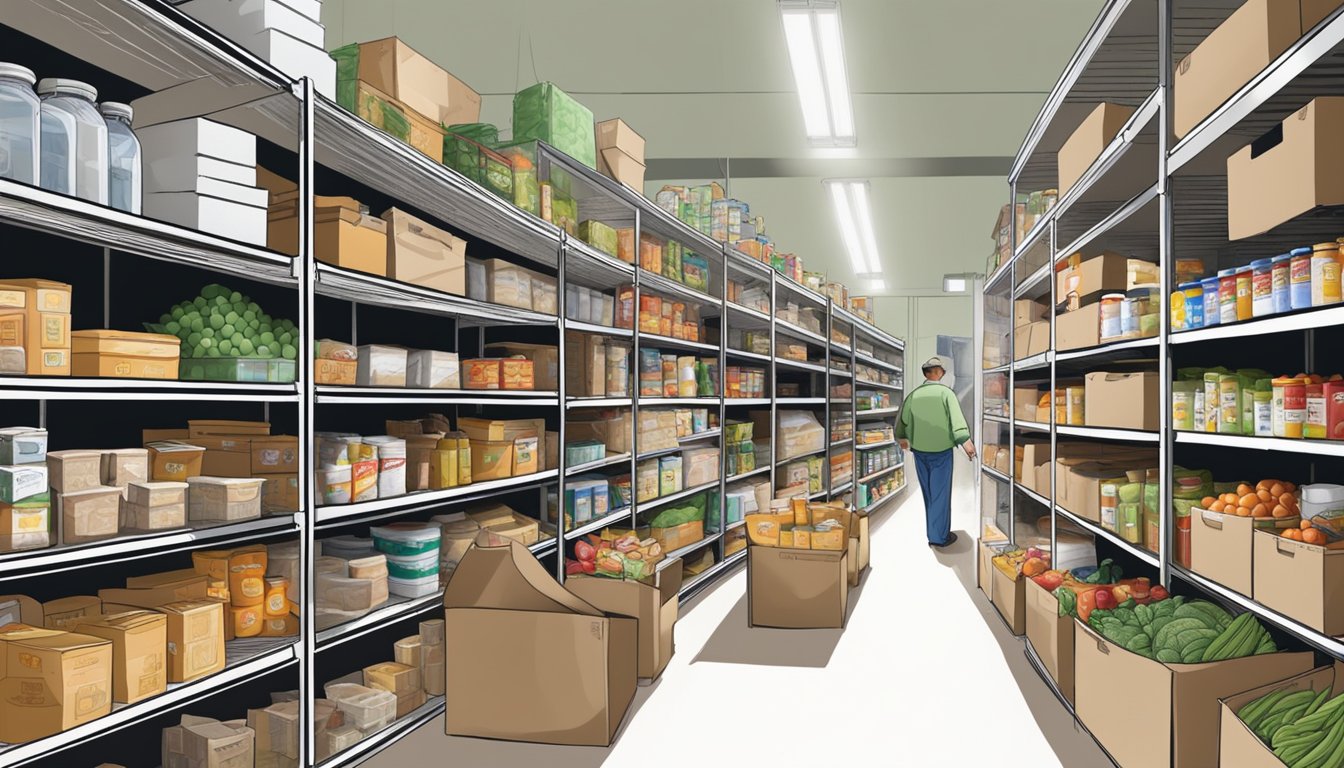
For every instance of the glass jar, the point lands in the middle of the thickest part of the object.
(1194, 305)
(1299, 278)
(77, 153)
(1227, 295)
(1212, 314)
(19, 124)
(1325, 284)
(1280, 274)
(123, 158)
(1111, 328)
(1245, 293)
(1262, 287)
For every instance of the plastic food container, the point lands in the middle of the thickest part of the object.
(367, 709)
(1212, 313)
(1183, 404)
(123, 158)
(1245, 293)
(1314, 425)
(73, 140)
(239, 369)
(1325, 281)
(414, 587)
(1299, 278)
(1289, 407)
(19, 123)
(1111, 308)
(1227, 295)
(391, 465)
(1262, 287)
(333, 484)
(406, 539)
(1280, 279)
(1194, 305)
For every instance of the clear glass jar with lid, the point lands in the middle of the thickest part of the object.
(19, 109)
(123, 158)
(73, 140)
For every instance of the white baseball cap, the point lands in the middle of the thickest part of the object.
(933, 362)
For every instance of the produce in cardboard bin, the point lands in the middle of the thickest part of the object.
(1180, 631)
(624, 557)
(1269, 498)
(1304, 728)
(1019, 562)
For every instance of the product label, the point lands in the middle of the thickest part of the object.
(1263, 422)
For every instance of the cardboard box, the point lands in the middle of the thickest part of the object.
(1238, 746)
(501, 606)
(272, 455)
(280, 493)
(1122, 400)
(621, 167)
(139, 652)
(1028, 311)
(67, 612)
(70, 471)
(1234, 53)
(200, 742)
(985, 568)
(1079, 328)
(1025, 399)
(1088, 141)
(1315, 11)
(227, 428)
(545, 360)
(1010, 598)
(652, 601)
(422, 254)
(195, 638)
(174, 462)
(342, 236)
(1221, 549)
(1300, 580)
(1180, 700)
(53, 681)
(158, 589)
(585, 365)
(1031, 339)
(123, 466)
(1050, 635)
(797, 589)
(1107, 272)
(395, 68)
(392, 677)
(1286, 173)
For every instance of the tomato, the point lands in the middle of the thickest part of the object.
(1050, 580)
(588, 566)
(1158, 592)
(1106, 599)
(573, 567)
(584, 551)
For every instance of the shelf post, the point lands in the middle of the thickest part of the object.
(1166, 439)
(307, 517)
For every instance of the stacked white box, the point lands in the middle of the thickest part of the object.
(287, 33)
(202, 174)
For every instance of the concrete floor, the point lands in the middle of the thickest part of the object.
(925, 674)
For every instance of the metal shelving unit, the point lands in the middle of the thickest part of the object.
(1171, 204)
(131, 39)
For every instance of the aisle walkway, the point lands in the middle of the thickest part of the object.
(924, 675)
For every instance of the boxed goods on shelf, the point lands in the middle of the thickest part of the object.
(505, 523)
(139, 652)
(1089, 140)
(203, 741)
(1028, 311)
(395, 69)
(1031, 339)
(422, 254)
(652, 600)
(195, 638)
(1302, 158)
(530, 607)
(797, 566)
(546, 113)
(1122, 400)
(1182, 676)
(66, 681)
(88, 515)
(544, 359)
(344, 234)
(586, 499)
(65, 612)
(26, 524)
(154, 506)
(225, 499)
(620, 153)
(381, 366)
(124, 354)
(429, 369)
(401, 680)
(599, 235)
(367, 709)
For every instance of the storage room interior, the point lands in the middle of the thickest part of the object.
(588, 384)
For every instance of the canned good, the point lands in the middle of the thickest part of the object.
(1111, 326)
(1262, 287)
(1194, 305)
(1245, 293)
(1289, 407)
(1299, 278)
(1212, 313)
(1280, 275)
(1325, 282)
(1227, 295)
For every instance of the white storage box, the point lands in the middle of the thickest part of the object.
(241, 19)
(197, 136)
(296, 58)
(213, 215)
(367, 709)
(381, 366)
(428, 369)
(183, 171)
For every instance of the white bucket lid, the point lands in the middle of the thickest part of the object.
(407, 532)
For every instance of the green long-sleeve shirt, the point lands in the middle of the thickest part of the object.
(931, 419)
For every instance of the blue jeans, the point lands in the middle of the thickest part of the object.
(935, 484)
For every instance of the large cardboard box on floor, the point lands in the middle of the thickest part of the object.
(51, 681)
(1300, 580)
(1051, 636)
(985, 568)
(1121, 400)
(1088, 141)
(1234, 53)
(859, 548)
(1181, 701)
(1221, 549)
(1287, 172)
(1238, 746)
(797, 588)
(652, 601)
(1009, 596)
(501, 609)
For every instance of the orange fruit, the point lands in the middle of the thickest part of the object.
(1243, 512)
(1288, 500)
(1248, 500)
(1207, 502)
(1217, 506)
(1313, 536)
(1264, 495)
(1277, 490)
(1244, 489)
(1305, 525)
(1279, 511)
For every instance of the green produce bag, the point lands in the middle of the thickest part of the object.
(522, 156)
(347, 75)
(481, 133)
(599, 235)
(546, 113)
(691, 510)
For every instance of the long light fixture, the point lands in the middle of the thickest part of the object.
(854, 215)
(817, 54)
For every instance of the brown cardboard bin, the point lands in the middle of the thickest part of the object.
(1238, 747)
(1221, 549)
(1079, 328)
(392, 66)
(1031, 339)
(1088, 141)
(797, 588)
(653, 601)
(1051, 636)
(1181, 700)
(1107, 272)
(502, 607)
(1300, 580)
(1010, 598)
(1122, 400)
(420, 253)
(55, 681)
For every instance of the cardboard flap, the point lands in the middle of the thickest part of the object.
(509, 578)
(669, 578)
(29, 610)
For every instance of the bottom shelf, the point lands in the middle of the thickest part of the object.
(388, 736)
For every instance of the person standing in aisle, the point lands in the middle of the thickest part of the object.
(930, 425)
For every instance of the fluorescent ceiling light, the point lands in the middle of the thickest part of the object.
(815, 41)
(853, 214)
(954, 284)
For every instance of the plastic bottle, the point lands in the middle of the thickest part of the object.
(19, 124)
(1262, 287)
(1245, 293)
(1280, 277)
(1299, 278)
(1325, 282)
(1212, 313)
(73, 140)
(123, 158)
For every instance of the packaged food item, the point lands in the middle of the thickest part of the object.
(1325, 274)
(1299, 278)
(223, 499)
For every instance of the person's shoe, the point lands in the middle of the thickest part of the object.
(951, 539)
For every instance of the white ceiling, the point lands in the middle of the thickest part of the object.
(709, 80)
